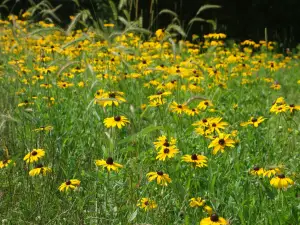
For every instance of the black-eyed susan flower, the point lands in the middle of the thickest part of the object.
(70, 184)
(4, 163)
(253, 121)
(157, 102)
(161, 178)
(258, 171)
(159, 34)
(162, 142)
(214, 219)
(109, 164)
(117, 121)
(178, 108)
(279, 108)
(216, 124)
(204, 104)
(281, 181)
(208, 209)
(169, 152)
(147, 204)
(221, 142)
(192, 112)
(25, 103)
(39, 169)
(44, 128)
(109, 98)
(159, 94)
(196, 160)
(34, 155)
(197, 202)
(292, 108)
(271, 172)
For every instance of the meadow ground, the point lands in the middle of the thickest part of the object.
(126, 130)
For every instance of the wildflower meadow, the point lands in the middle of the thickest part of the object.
(138, 127)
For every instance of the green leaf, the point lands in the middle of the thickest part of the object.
(142, 133)
(176, 28)
(132, 216)
(196, 19)
(207, 6)
(113, 9)
(168, 11)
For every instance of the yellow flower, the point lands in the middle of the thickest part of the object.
(281, 181)
(161, 178)
(214, 219)
(5, 163)
(159, 34)
(109, 98)
(276, 86)
(204, 104)
(271, 172)
(253, 121)
(39, 169)
(197, 202)
(163, 142)
(147, 204)
(159, 94)
(119, 121)
(157, 102)
(34, 156)
(192, 112)
(178, 108)
(197, 160)
(169, 152)
(42, 128)
(257, 171)
(70, 184)
(208, 209)
(219, 143)
(108, 25)
(293, 108)
(81, 84)
(216, 124)
(109, 164)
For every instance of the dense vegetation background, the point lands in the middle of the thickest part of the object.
(240, 20)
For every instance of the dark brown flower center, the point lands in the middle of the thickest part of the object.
(166, 150)
(214, 217)
(254, 120)
(109, 161)
(281, 176)
(179, 106)
(292, 105)
(214, 125)
(222, 141)
(194, 157)
(256, 168)
(34, 153)
(112, 95)
(146, 203)
(166, 144)
(206, 103)
(204, 120)
(117, 118)
(160, 173)
(68, 182)
(39, 165)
